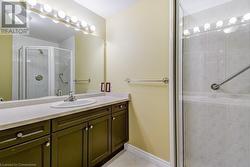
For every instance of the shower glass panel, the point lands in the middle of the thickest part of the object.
(37, 73)
(63, 76)
(214, 46)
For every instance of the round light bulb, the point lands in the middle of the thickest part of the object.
(246, 17)
(32, 2)
(61, 14)
(84, 24)
(186, 32)
(219, 24)
(86, 29)
(233, 20)
(78, 25)
(67, 19)
(92, 28)
(47, 8)
(74, 19)
(207, 27)
(196, 29)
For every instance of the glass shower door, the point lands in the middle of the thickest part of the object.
(36, 77)
(214, 48)
(63, 71)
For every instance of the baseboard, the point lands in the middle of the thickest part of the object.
(143, 154)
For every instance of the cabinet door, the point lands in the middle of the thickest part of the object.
(33, 153)
(119, 129)
(69, 147)
(99, 140)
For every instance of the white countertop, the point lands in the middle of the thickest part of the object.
(19, 116)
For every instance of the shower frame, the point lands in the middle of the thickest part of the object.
(176, 115)
(22, 69)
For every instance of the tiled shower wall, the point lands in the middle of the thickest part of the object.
(214, 56)
(217, 135)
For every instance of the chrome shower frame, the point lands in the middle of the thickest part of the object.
(176, 103)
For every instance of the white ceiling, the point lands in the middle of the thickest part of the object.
(194, 6)
(106, 8)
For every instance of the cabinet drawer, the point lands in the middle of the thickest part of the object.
(22, 134)
(32, 153)
(75, 119)
(120, 107)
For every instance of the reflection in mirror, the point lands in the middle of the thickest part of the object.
(51, 61)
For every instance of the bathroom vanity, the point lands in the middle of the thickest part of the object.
(82, 137)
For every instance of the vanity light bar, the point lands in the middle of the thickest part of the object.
(219, 25)
(46, 11)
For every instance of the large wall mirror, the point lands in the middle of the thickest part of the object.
(51, 60)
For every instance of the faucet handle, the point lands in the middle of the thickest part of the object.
(71, 93)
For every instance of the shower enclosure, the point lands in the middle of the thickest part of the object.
(213, 83)
(44, 71)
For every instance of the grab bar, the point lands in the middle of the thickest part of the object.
(216, 86)
(164, 80)
(79, 81)
(60, 77)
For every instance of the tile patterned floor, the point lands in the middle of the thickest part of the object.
(128, 159)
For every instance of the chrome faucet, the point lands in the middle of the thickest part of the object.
(71, 97)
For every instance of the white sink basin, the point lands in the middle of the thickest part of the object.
(77, 103)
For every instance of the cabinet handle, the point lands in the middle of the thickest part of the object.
(86, 129)
(121, 106)
(9, 140)
(19, 135)
(113, 118)
(91, 127)
(47, 144)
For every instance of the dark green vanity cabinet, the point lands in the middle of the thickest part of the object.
(119, 129)
(86, 139)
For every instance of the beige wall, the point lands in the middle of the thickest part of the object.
(137, 47)
(6, 67)
(74, 9)
(89, 62)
